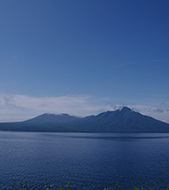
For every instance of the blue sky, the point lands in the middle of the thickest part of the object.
(104, 52)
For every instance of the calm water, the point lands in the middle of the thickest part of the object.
(88, 161)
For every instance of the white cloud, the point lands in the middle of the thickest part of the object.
(160, 112)
(22, 107)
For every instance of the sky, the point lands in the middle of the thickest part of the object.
(83, 57)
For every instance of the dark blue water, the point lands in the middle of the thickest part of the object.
(87, 161)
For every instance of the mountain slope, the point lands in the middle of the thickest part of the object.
(52, 119)
(122, 120)
(125, 120)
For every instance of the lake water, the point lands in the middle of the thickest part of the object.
(87, 161)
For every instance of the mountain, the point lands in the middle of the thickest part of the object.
(52, 119)
(121, 120)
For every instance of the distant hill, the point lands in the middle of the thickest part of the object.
(122, 121)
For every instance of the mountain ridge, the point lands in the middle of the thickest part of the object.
(121, 120)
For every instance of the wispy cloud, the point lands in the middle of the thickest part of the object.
(159, 111)
(22, 107)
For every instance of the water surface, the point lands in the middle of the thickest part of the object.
(87, 161)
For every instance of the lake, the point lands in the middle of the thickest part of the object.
(87, 161)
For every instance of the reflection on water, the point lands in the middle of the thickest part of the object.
(88, 161)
